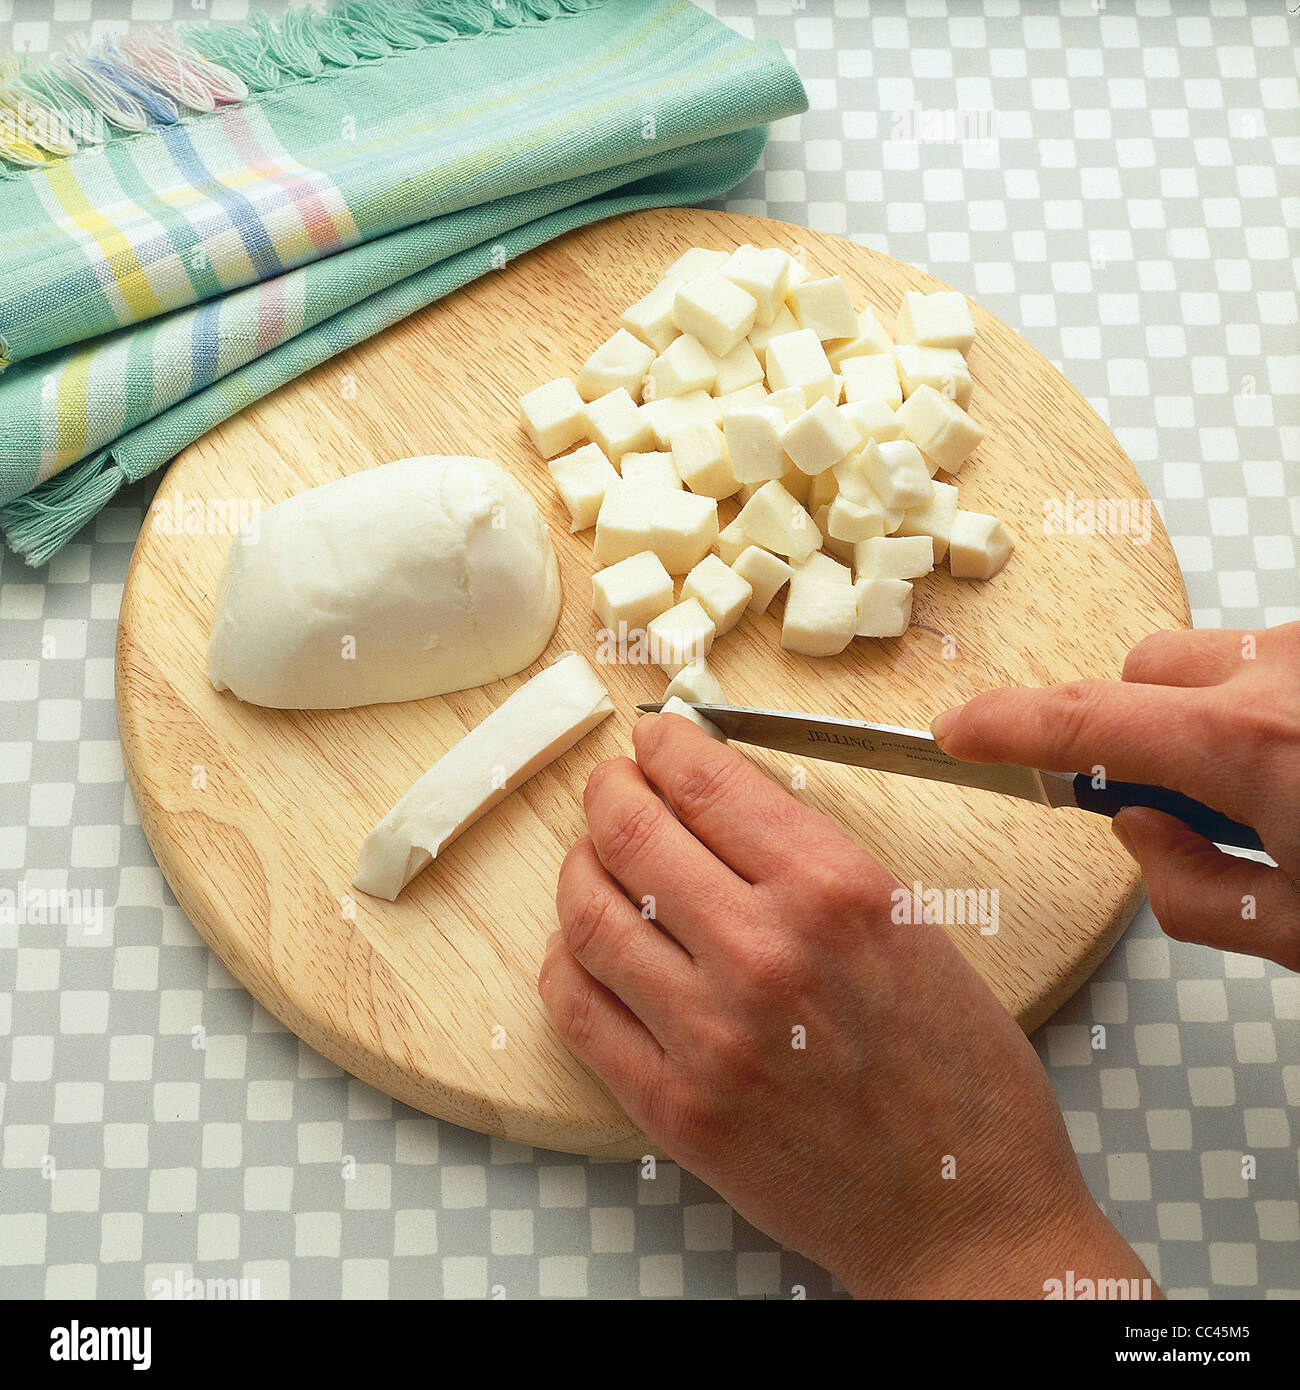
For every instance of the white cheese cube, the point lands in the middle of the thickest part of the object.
(762, 333)
(655, 468)
(979, 545)
(718, 312)
(765, 274)
(943, 368)
(819, 438)
(671, 412)
(677, 526)
(870, 338)
(582, 479)
(940, 428)
(683, 528)
(651, 317)
(796, 482)
(681, 367)
(622, 360)
(824, 307)
(732, 543)
(841, 550)
(697, 685)
(674, 704)
(737, 370)
(753, 435)
(940, 320)
(884, 607)
(896, 473)
(693, 262)
(851, 479)
(722, 592)
(800, 274)
(622, 524)
(823, 489)
(764, 572)
(747, 395)
(819, 569)
(680, 635)
(553, 416)
(797, 360)
(820, 618)
(852, 522)
(934, 519)
(703, 463)
(894, 557)
(632, 592)
(790, 401)
(873, 419)
(773, 519)
(617, 424)
(872, 378)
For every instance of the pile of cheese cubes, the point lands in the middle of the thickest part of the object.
(744, 374)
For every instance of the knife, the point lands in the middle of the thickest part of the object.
(914, 753)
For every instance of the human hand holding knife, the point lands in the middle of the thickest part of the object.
(914, 753)
(1196, 746)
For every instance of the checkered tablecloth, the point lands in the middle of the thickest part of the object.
(1129, 203)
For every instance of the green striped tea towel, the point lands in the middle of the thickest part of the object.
(189, 219)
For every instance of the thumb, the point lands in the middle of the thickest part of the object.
(1202, 895)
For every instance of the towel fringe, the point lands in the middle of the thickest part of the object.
(43, 520)
(153, 76)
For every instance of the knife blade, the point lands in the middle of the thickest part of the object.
(914, 753)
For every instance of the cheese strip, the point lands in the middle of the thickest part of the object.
(544, 718)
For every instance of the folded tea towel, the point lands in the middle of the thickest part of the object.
(191, 218)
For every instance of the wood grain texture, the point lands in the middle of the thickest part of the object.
(256, 815)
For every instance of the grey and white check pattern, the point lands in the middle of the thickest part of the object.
(1133, 212)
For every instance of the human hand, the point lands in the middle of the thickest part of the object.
(850, 1085)
(1212, 714)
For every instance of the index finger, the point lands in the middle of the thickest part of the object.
(1136, 733)
(662, 867)
(726, 801)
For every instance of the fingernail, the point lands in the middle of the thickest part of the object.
(552, 939)
(942, 726)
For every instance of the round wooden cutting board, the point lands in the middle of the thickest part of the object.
(256, 815)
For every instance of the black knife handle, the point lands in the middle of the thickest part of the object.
(1111, 798)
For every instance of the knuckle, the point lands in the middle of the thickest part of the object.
(836, 884)
(842, 883)
(590, 923)
(685, 1120)
(1067, 711)
(629, 832)
(769, 965)
(576, 1015)
(731, 1057)
(1256, 717)
(704, 785)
